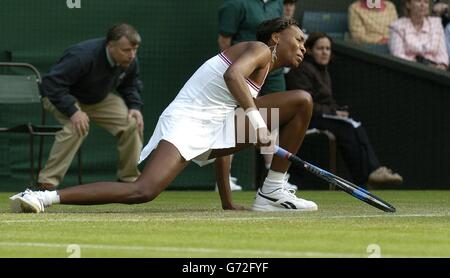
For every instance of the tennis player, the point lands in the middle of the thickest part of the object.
(200, 125)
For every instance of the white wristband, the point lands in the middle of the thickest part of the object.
(256, 119)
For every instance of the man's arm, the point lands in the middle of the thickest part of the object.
(130, 91)
(56, 84)
(56, 87)
(131, 87)
(230, 14)
(224, 42)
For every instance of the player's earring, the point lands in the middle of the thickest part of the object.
(274, 53)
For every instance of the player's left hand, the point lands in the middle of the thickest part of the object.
(134, 113)
(234, 207)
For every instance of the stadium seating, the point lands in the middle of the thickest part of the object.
(335, 24)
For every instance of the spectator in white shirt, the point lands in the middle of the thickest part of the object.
(418, 36)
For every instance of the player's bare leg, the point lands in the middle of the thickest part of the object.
(163, 165)
(295, 110)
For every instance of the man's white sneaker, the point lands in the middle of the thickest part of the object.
(281, 200)
(27, 202)
(233, 179)
(235, 187)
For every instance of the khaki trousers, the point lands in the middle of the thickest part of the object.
(110, 114)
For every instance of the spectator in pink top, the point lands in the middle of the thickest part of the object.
(418, 36)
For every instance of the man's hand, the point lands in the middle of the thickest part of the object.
(133, 113)
(80, 122)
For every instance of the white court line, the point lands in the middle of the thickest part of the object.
(222, 252)
(210, 218)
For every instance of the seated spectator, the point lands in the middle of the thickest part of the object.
(289, 8)
(352, 140)
(418, 36)
(369, 24)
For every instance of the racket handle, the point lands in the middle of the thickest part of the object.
(289, 156)
(282, 152)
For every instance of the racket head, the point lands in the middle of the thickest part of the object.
(359, 193)
(339, 182)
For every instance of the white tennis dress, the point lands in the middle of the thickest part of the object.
(201, 117)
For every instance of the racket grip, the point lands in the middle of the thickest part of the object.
(282, 152)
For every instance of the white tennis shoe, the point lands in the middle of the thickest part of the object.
(287, 184)
(27, 202)
(281, 200)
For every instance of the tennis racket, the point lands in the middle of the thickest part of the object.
(346, 186)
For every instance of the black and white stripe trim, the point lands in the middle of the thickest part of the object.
(287, 205)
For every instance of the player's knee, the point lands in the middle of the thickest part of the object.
(304, 101)
(144, 193)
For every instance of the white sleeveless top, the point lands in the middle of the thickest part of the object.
(201, 117)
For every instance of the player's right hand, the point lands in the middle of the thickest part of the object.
(263, 137)
(80, 122)
(265, 141)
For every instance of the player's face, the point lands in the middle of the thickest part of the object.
(321, 51)
(291, 47)
(122, 51)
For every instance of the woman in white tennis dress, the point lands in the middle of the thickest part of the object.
(200, 125)
(201, 117)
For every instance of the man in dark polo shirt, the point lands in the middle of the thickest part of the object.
(238, 20)
(79, 90)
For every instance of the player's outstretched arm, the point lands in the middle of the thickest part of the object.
(222, 167)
